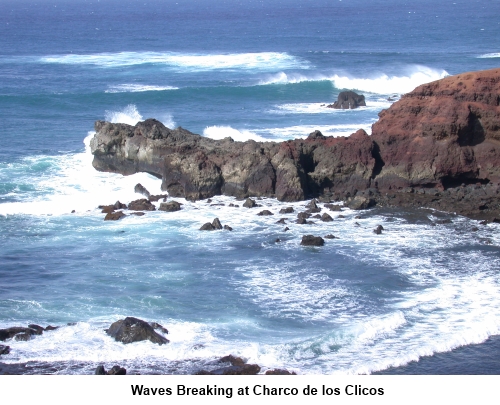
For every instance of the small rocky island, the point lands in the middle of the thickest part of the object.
(438, 146)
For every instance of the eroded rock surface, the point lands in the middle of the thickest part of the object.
(438, 146)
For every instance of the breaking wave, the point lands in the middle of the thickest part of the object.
(194, 61)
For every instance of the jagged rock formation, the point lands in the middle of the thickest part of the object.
(437, 146)
(347, 100)
(195, 167)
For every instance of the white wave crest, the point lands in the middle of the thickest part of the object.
(381, 84)
(303, 131)
(489, 55)
(259, 60)
(221, 132)
(290, 78)
(385, 84)
(321, 108)
(129, 115)
(137, 88)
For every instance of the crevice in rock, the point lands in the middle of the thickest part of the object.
(379, 163)
(473, 134)
(467, 179)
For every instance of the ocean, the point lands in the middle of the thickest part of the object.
(421, 298)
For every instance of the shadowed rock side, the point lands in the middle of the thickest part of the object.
(196, 167)
(437, 146)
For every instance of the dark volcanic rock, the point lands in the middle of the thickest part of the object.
(157, 197)
(117, 370)
(139, 188)
(249, 203)
(441, 141)
(106, 209)
(37, 328)
(4, 349)
(100, 370)
(157, 326)
(9, 333)
(216, 224)
(265, 212)
(378, 230)
(333, 207)
(361, 203)
(131, 330)
(347, 100)
(119, 206)
(279, 371)
(23, 337)
(326, 218)
(141, 205)
(287, 210)
(311, 240)
(238, 367)
(329, 236)
(114, 216)
(170, 206)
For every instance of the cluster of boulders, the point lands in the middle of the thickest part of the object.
(22, 333)
(139, 207)
(312, 211)
(215, 225)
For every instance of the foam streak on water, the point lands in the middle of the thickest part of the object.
(195, 62)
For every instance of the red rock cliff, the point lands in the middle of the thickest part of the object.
(442, 134)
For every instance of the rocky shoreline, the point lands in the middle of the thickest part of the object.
(126, 331)
(438, 147)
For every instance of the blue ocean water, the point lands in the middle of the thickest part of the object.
(250, 70)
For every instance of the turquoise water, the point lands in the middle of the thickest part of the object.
(360, 304)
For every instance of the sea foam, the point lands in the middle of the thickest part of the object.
(192, 61)
(137, 88)
(410, 78)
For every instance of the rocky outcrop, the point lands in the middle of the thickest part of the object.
(238, 366)
(437, 146)
(196, 167)
(132, 329)
(347, 100)
(311, 240)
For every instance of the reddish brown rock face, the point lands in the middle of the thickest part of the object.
(442, 134)
(436, 138)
